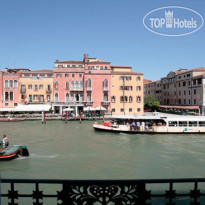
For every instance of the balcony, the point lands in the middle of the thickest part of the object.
(88, 103)
(76, 89)
(48, 91)
(105, 103)
(23, 90)
(105, 89)
(89, 89)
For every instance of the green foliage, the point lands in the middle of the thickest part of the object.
(151, 102)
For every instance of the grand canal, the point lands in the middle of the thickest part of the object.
(75, 151)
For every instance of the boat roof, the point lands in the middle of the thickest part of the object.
(159, 117)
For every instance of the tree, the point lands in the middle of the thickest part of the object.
(151, 102)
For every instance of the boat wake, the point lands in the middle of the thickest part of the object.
(33, 155)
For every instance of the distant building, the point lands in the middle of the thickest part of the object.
(182, 89)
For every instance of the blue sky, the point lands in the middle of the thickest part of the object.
(34, 33)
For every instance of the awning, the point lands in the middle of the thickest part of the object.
(180, 107)
(28, 108)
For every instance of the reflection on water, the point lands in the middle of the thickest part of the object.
(75, 151)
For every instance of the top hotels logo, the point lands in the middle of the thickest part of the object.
(173, 21)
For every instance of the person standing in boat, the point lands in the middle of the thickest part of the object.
(5, 141)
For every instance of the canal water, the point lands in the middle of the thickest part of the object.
(75, 151)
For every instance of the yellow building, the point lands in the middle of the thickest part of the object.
(126, 91)
(36, 87)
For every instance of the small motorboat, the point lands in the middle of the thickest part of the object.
(12, 152)
(11, 119)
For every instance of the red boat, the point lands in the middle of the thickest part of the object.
(11, 120)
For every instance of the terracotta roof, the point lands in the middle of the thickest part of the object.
(116, 66)
(125, 73)
(145, 81)
(38, 71)
(69, 61)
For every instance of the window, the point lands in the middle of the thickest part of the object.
(67, 97)
(138, 78)
(194, 101)
(30, 98)
(184, 101)
(66, 75)
(56, 85)
(193, 124)
(80, 75)
(105, 97)
(81, 84)
(184, 84)
(6, 84)
(179, 84)
(26, 75)
(29, 86)
(182, 123)
(72, 84)
(36, 87)
(105, 84)
(188, 75)
(48, 98)
(35, 97)
(138, 99)
(130, 109)
(11, 83)
(138, 109)
(113, 99)
(189, 92)
(172, 123)
(138, 87)
(67, 85)
(89, 97)
(58, 75)
(113, 109)
(42, 76)
(201, 123)
(189, 102)
(194, 91)
(6, 104)
(35, 77)
(60, 66)
(80, 66)
(73, 66)
(15, 84)
(105, 67)
(68, 66)
(184, 92)
(11, 96)
(122, 110)
(49, 75)
(6, 96)
(15, 104)
(179, 92)
(89, 83)
(41, 87)
(130, 99)
(56, 97)
(73, 75)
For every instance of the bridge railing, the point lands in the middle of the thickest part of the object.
(104, 192)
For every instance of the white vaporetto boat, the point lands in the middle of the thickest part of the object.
(154, 124)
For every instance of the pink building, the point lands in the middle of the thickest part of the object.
(9, 88)
(80, 84)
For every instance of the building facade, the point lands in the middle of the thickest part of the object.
(126, 91)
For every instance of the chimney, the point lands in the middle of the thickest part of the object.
(85, 57)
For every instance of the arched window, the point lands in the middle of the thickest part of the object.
(6, 96)
(56, 97)
(113, 99)
(56, 85)
(130, 98)
(11, 96)
(11, 83)
(121, 99)
(77, 85)
(15, 83)
(67, 97)
(89, 83)
(105, 83)
(6, 83)
(125, 99)
(81, 84)
(72, 84)
(67, 85)
(138, 99)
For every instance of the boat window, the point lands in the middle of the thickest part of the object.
(202, 124)
(192, 123)
(183, 123)
(172, 123)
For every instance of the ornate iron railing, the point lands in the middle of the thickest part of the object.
(105, 192)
